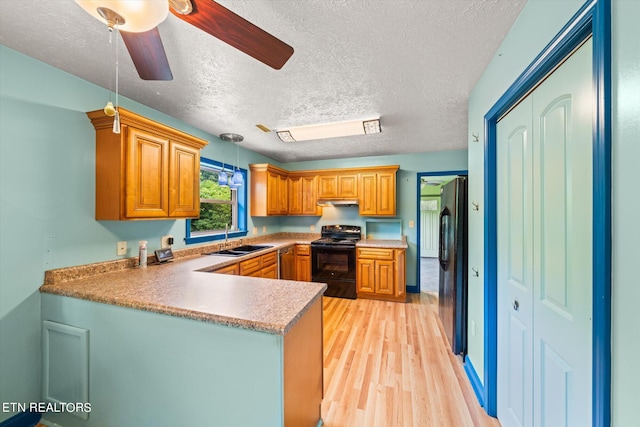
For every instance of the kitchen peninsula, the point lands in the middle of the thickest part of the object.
(173, 344)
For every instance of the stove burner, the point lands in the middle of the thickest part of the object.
(338, 235)
(335, 241)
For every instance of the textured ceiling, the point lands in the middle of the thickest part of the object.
(413, 63)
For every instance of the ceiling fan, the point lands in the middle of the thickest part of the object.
(137, 22)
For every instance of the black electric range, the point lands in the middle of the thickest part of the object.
(334, 259)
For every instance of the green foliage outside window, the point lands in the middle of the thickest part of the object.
(216, 204)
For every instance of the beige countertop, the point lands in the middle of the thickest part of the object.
(379, 243)
(184, 288)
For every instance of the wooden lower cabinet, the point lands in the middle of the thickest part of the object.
(260, 266)
(380, 273)
(303, 263)
(270, 272)
(266, 265)
(233, 269)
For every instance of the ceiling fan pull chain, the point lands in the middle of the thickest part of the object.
(116, 118)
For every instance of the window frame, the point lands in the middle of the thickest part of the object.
(241, 212)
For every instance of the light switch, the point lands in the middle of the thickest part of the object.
(255, 230)
(312, 227)
(264, 228)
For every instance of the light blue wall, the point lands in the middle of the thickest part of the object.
(538, 23)
(47, 178)
(626, 205)
(407, 194)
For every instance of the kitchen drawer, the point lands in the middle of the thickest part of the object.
(302, 250)
(375, 253)
(250, 266)
(269, 258)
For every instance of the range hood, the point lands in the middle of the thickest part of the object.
(338, 202)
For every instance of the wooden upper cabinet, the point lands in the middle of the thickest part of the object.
(378, 192)
(348, 185)
(147, 171)
(327, 186)
(369, 196)
(274, 193)
(373, 187)
(303, 195)
(269, 190)
(340, 185)
(295, 201)
(184, 181)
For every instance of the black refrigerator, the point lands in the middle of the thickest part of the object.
(452, 255)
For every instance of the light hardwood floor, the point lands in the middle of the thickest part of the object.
(388, 364)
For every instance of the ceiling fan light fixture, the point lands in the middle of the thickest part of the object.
(330, 130)
(183, 7)
(138, 16)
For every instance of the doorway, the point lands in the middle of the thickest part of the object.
(429, 186)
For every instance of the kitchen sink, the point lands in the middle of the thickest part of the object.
(239, 251)
(251, 248)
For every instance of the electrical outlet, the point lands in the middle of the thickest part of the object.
(312, 227)
(166, 242)
(121, 248)
(411, 224)
(255, 230)
(264, 228)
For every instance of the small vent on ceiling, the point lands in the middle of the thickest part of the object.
(263, 128)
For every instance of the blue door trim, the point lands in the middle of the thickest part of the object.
(593, 18)
(416, 288)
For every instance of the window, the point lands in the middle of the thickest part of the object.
(222, 209)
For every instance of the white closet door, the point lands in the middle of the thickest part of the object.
(563, 190)
(515, 267)
(545, 252)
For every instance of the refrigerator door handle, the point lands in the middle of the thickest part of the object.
(443, 247)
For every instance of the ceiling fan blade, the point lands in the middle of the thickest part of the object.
(236, 31)
(147, 53)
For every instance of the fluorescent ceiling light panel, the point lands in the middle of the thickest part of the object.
(330, 130)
